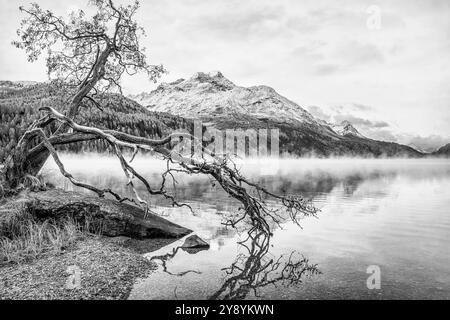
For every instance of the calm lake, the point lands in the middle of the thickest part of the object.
(391, 216)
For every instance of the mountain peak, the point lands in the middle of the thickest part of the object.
(215, 79)
(207, 75)
(346, 123)
(346, 128)
(199, 82)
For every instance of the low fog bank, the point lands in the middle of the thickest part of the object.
(307, 177)
(147, 164)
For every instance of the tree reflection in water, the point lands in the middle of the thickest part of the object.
(170, 255)
(255, 269)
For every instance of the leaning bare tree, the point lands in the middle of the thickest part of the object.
(88, 55)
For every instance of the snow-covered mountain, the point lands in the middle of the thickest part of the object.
(218, 102)
(346, 128)
(211, 94)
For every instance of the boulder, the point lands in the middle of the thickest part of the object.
(194, 242)
(113, 218)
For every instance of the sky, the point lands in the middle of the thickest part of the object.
(383, 65)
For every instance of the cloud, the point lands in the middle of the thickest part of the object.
(253, 21)
(310, 53)
(326, 69)
(428, 143)
(346, 57)
(326, 16)
(362, 107)
(360, 122)
(318, 113)
(341, 113)
(381, 135)
(380, 124)
(356, 53)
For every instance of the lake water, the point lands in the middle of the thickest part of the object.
(386, 215)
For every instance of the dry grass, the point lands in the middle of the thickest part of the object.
(23, 238)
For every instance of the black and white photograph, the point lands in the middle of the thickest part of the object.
(198, 150)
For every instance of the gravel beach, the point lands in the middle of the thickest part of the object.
(95, 268)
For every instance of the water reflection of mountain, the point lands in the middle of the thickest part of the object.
(310, 184)
(322, 182)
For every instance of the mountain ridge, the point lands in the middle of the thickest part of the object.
(303, 136)
(443, 151)
(218, 102)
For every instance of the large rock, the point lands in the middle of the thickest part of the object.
(195, 241)
(113, 218)
(194, 244)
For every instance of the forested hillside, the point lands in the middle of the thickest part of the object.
(20, 103)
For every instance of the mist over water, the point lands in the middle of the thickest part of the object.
(390, 213)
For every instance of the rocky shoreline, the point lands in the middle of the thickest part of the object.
(99, 266)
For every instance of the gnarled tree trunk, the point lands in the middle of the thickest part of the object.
(19, 165)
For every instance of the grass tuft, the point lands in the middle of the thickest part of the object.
(23, 238)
